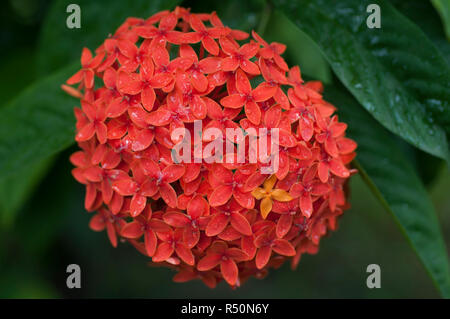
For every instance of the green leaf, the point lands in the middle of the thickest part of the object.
(58, 197)
(393, 180)
(17, 67)
(16, 188)
(37, 124)
(59, 45)
(395, 72)
(426, 17)
(443, 7)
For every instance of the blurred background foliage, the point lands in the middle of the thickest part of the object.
(43, 225)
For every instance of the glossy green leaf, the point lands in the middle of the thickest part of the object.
(395, 72)
(19, 61)
(425, 16)
(57, 197)
(16, 188)
(59, 45)
(37, 124)
(443, 7)
(393, 180)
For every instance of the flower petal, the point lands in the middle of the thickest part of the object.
(137, 205)
(245, 199)
(132, 230)
(262, 256)
(253, 112)
(150, 242)
(284, 225)
(185, 254)
(209, 262)
(281, 195)
(306, 205)
(220, 195)
(176, 219)
(173, 172)
(217, 224)
(266, 207)
(168, 194)
(148, 97)
(283, 247)
(161, 117)
(240, 223)
(163, 252)
(125, 187)
(229, 271)
(233, 101)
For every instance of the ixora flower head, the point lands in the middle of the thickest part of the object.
(217, 214)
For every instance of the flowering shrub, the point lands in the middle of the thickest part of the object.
(210, 221)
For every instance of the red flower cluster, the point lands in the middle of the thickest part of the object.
(208, 221)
